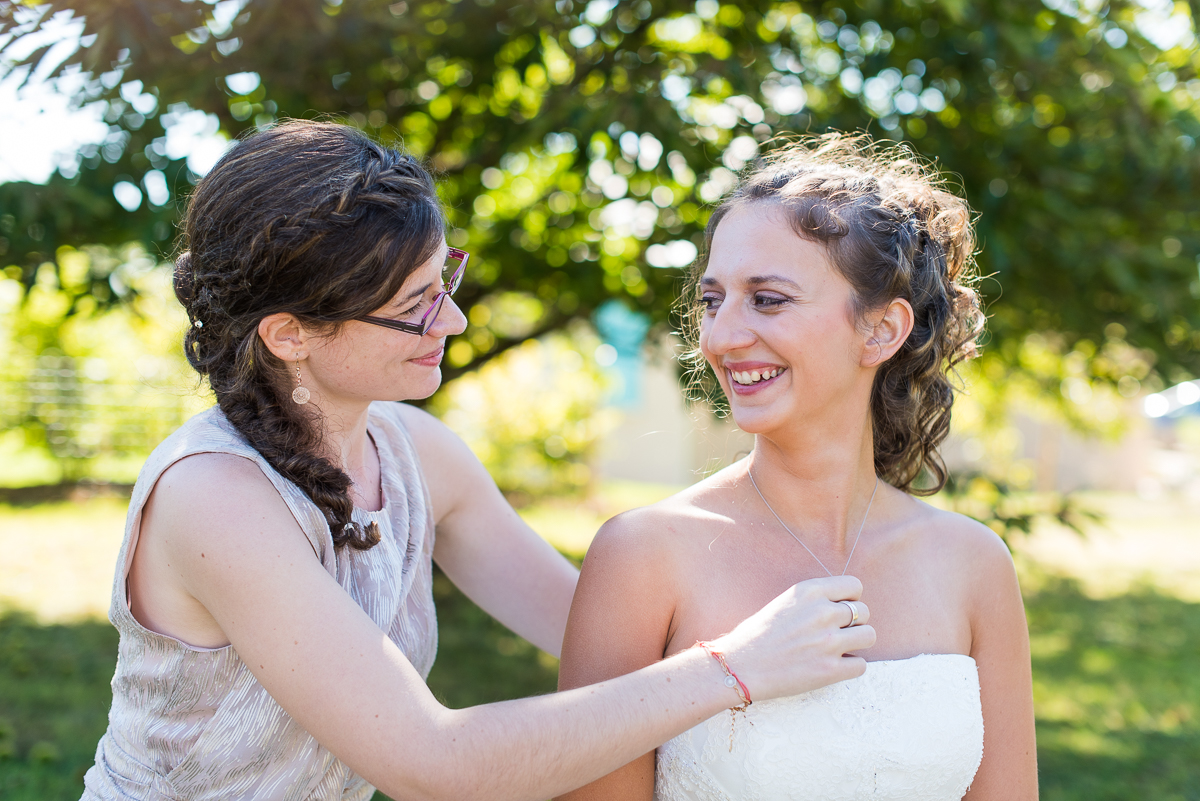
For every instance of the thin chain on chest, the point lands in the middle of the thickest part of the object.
(797, 539)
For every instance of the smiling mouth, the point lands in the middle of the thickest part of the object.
(433, 354)
(750, 377)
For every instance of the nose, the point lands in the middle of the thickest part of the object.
(726, 331)
(450, 320)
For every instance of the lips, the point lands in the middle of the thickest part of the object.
(431, 359)
(750, 377)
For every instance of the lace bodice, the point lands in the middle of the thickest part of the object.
(906, 729)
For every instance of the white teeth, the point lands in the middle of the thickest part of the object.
(754, 376)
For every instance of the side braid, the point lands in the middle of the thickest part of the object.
(311, 219)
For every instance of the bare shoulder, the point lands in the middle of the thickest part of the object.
(212, 524)
(969, 544)
(458, 483)
(628, 591)
(654, 538)
(212, 496)
(972, 562)
(630, 540)
(211, 481)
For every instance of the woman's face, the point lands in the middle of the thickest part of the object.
(778, 327)
(365, 362)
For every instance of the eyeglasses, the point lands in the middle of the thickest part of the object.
(420, 329)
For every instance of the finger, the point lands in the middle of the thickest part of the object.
(855, 638)
(838, 614)
(851, 667)
(835, 588)
(859, 616)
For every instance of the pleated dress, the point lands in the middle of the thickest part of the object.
(193, 723)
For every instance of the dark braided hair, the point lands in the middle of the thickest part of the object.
(892, 231)
(316, 220)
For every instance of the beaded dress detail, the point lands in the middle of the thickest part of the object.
(193, 723)
(906, 729)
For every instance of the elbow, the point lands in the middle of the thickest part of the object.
(448, 768)
(448, 786)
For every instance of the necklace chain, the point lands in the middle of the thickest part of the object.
(750, 472)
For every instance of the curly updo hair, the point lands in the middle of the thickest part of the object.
(891, 230)
(313, 219)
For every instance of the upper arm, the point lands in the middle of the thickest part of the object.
(620, 622)
(452, 472)
(483, 545)
(235, 547)
(1000, 647)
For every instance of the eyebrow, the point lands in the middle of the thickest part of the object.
(415, 294)
(419, 292)
(755, 280)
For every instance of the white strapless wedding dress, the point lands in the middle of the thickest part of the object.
(907, 729)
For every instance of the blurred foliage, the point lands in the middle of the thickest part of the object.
(580, 145)
(93, 387)
(1090, 388)
(533, 416)
(1010, 512)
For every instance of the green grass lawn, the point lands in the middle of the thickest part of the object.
(1117, 678)
(1117, 694)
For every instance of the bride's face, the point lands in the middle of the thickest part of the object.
(779, 328)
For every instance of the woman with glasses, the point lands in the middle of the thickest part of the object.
(273, 590)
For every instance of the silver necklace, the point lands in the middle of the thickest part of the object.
(754, 483)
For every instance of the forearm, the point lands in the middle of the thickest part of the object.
(535, 748)
(515, 576)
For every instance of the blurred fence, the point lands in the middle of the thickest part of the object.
(73, 410)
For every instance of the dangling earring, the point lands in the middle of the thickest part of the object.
(300, 395)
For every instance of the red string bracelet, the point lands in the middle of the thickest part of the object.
(731, 679)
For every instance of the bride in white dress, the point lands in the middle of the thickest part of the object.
(831, 305)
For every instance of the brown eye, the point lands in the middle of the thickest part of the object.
(769, 300)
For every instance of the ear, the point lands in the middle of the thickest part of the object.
(888, 333)
(284, 336)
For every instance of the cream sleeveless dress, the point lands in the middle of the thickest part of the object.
(193, 723)
(907, 729)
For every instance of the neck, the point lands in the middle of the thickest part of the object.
(819, 481)
(344, 438)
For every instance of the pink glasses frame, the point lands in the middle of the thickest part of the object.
(428, 319)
